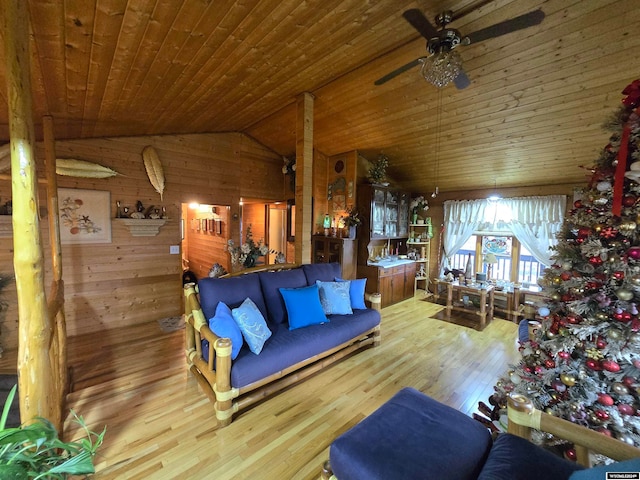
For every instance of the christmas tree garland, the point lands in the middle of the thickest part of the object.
(584, 362)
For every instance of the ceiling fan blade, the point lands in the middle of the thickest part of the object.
(518, 23)
(461, 81)
(418, 21)
(397, 72)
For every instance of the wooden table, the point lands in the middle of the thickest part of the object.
(455, 292)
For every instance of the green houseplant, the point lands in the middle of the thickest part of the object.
(34, 451)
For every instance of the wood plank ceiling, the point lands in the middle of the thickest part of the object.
(531, 116)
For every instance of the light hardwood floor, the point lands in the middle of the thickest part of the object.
(161, 426)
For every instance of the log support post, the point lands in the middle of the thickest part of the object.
(35, 367)
(304, 177)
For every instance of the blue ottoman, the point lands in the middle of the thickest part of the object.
(409, 437)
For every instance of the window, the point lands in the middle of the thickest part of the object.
(508, 252)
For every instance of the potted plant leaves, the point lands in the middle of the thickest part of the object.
(34, 451)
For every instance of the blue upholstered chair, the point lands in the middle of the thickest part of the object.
(413, 436)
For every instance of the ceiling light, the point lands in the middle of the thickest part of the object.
(442, 67)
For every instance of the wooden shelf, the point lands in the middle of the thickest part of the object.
(142, 227)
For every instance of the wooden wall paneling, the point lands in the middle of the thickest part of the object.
(320, 183)
(207, 248)
(136, 279)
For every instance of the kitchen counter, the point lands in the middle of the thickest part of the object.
(390, 262)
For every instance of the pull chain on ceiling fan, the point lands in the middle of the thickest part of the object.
(437, 142)
(443, 64)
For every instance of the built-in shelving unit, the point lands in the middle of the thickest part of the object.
(419, 241)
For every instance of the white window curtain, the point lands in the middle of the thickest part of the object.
(535, 222)
(461, 219)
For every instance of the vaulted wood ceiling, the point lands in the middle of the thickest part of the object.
(531, 116)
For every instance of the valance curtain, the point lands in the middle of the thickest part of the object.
(534, 221)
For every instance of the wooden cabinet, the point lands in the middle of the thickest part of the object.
(385, 216)
(385, 211)
(334, 249)
(393, 283)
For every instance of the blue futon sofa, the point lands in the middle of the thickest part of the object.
(250, 335)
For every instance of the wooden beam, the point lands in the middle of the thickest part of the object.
(304, 176)
(35, 371)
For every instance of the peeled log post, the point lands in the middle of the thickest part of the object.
(56, 295)
(35, 370)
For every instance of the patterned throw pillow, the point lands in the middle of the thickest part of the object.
(252, 324)
(334, 297)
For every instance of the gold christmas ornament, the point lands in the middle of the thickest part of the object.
(624, 294)
(567, 379)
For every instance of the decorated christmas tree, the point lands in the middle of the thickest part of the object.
(583, 364)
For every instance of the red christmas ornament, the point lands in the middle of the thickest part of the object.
(564, 355)
(592, 364)
(597, 260)
(570, 454)
(584, 232)
(549, 363)
(628, 200)
(601, 343)
(602, 414)
(618, 316)
(618, 275)
(604, 431)
(629, 381)
(610, 366)
(625, 409)
(577, 204)
(634, 252)
(608, 232)
(566, 276)
(636, 363)
(626, 316)
(605, 399)
(573, 319)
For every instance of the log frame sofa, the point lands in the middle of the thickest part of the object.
(212, 366)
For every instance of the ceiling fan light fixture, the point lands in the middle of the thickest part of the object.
(442, 67)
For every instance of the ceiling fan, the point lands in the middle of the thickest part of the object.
(443, 64)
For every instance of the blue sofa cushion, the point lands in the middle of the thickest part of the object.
(303, 306)
(288, 347)
(411, 436)
(232, 291)
(600, 472)
(514, 458)
(334, 297)
(252, 325)
(325, 272)
(223, 325)
(271, 283)
(357, 288)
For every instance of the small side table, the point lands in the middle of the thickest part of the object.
(484, 310)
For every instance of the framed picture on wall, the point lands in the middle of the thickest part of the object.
(85, 216)
(291, 220)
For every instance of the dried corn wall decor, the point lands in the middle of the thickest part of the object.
(72, 167)
(154, 168)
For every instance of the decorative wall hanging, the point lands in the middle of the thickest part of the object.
(154, 168)
(71, 167)
(85, 216)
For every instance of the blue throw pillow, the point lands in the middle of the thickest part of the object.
(334, 297)
(599, 473)
(356, 292)
(223, 325)
(252, 324)
(303, 306)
